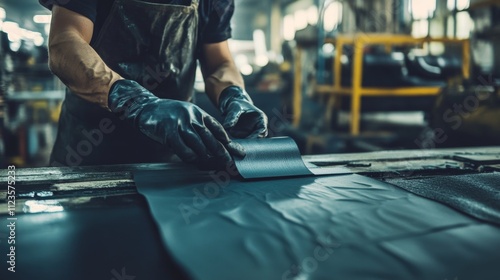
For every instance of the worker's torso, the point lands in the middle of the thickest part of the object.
(204, 12)
(153, 44)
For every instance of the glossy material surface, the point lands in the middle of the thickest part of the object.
(269, 158)
(334, 227)
(187, 130)
(153, 44)
(241, 118)
(98, 243)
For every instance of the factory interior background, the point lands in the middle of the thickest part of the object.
(336, 76)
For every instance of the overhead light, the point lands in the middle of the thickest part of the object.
(246, 69)
(13, 31)
(29, 35)
(423, 9)
(2, 14)
(300, 19)
(10, 27)
(240, 59)
(259, 40)
(312, 15)
(15, 46)
(35, 37)
(333, 16)
(15, 34)
(288, 27)
(42, 18)
(328, 48)
(38, 40)
(261, 60)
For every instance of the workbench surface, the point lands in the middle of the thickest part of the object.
(91, 223)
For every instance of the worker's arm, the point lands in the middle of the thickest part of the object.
(74, 61)
(224, 86)
(219, 70)
(190, 132)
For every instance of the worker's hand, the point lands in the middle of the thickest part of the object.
(190, 132)
(241, 118)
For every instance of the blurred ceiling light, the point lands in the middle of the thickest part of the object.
(2, 14)
(259, 40)
(246, 69)
(420, 28)
(288, 28)
(14, 37)
(15, 34)
(461, 4)
(328, 48)
(464, 25)
(42, 18)
(38, 40)
(10, 26)
(451, 5)
(26, 34)
(261, 60)
(398, 56)
(300, 19)
(333, 16)
(344, 59)
(15, 46)
(13, 31)
(240, 59)
(423, 9)
(312, 15)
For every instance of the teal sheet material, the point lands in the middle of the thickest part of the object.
(270, 157)
(475, 194)
(331, 227)
(277, 157)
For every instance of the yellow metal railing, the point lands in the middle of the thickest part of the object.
(357, 91)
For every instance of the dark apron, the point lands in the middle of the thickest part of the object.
(153, 44)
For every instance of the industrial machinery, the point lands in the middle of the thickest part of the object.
(468, 113)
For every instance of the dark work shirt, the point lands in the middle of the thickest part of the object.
(214, 15)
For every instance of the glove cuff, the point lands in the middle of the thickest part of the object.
(115, 84)
(125, 94)
(232, 93)
(127, 100)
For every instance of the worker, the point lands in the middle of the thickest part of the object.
(129, 67)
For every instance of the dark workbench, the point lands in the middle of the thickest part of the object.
(90, 222)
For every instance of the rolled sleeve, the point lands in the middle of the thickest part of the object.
(86, 8)
(218, 28)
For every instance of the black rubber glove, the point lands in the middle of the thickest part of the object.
(241, 118)
(190, 132)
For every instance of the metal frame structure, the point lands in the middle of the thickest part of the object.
(357, 91)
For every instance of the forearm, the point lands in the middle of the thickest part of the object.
(80, 68)
(223, 76)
